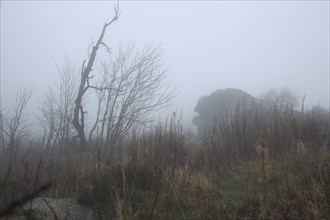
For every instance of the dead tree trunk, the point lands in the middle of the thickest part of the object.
(78, 112)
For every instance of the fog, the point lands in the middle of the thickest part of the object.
(252, 46)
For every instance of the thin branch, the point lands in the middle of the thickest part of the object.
(108, 49)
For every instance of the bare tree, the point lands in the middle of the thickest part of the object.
(48, 119)
(131, 87)
(57, 106)
(65, 105)
(15, 127)
(280, 98)
(78, 116)
(135, 82)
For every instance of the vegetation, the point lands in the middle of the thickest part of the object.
(274, 165)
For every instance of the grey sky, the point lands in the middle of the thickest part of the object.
(253, 46)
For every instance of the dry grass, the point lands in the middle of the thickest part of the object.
(157, 174)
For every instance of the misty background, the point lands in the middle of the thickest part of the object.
(252, 46)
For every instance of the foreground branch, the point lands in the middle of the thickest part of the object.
(23, 200)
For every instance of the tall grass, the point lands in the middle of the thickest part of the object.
(266, 162)
(280, 129)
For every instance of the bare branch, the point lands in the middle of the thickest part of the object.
(108, 49)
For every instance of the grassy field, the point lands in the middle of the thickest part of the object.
(269, 164)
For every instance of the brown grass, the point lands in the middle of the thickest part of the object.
(266, 163)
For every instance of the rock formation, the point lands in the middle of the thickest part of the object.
(47, 208)
(220, 104)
